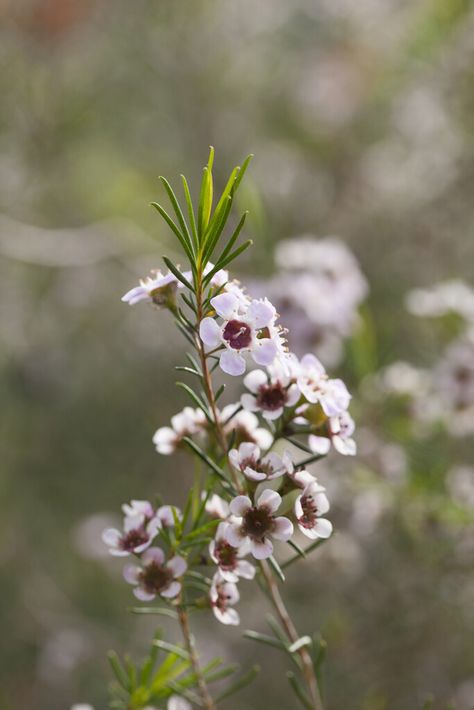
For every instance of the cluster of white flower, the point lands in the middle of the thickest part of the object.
(318, 288)
(155, 575)
(292, 396)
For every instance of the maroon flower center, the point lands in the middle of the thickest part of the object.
(237, 334)
(223, 599)
(271, 397)
(310, 511)
(226, 555)
(257, 522)
(133, 539)
(155, 578)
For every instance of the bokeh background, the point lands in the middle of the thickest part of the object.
(360, 117)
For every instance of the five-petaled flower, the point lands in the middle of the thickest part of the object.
(188, 422)
(248, 460)
(316, 386)
(309, 506)
(250, 329)
(340, 431)
(270, 392)
(156, 576)
(139, 531)
(228, 558)
(159, 289)
(224, 595)
(256, 523)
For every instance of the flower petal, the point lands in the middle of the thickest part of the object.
(143, 595)
(254, 380)
(245, 570)
(323, 528)
(111, 537)
(131, 573)
(172, 591)
(232, 363)
(249, 402)
(230, 617)
(261, 549)
(261, 313)
(177, 565)
(225, 305)
(282, 529)
(240, 505)
(154, 554)
(319, 444)
(269, 499)
(234, 536)
(209, 332)
(264, 351)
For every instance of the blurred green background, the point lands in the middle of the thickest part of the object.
(360, 117)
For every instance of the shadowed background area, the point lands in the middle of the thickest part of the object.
(360, 118)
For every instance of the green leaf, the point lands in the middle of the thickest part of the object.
(310, 548)
(204, 457)
(230, 257)
(189, 203)
(298, 444)
(174, 270)
(242, 171)
(310, 459)
(205, 197)
(172, 648)
(197, 400)
(183, 368)
(300, 552)
(299, 692)
(178, 212)
(175, 229)
(119, 670)
(229, 246)
(159, 611)
(240, 683)
(265, 639)
(276, 568)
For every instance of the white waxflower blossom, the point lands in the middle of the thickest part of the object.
(270, 392)
(256, 523)
(216, 507)
(158, 289)
(316, 386)
(245, 425)
(186, 423)
(82, 706)
(248, 460)
(340, 431)
(309, 507)
(140, 527)
(228, 557)
(250, 330)
(156, 576)
(167, 514)
(224, 595)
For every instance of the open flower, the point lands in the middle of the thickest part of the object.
(167, 513)
(340, 431)
(186, 423)
(270, 392)
(249, 329)
(228, 558)
(224, 595)
(160, 289)
(216, 507)
(316, 386)
(309, 506)
(248, 460)
(245, 426)
(156, 576)
(138, 533)
(257, 523)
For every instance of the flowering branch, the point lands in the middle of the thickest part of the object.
(254, 497)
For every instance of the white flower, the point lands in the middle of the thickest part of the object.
(316, 386)
(270, 392)
(82, 706)
(167, 513)
(176, 702)
(243, 330)
(309, 506)
(216, 506)
(137, 508)
(186, 423)
(248, 460)
(301, 478)
(340, 430)
(158, 289)
(228, 558)
(138, 533)
(156, 576)
(224, 595)
(256, 523)
(245, 426)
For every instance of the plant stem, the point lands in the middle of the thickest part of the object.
(290, 629)
(208, 702)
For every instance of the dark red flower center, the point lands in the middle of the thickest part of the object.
(133, 539)
(226, 555)
(155, 578)
(257, 522)
(237, 334)
(310, 511)
(271, 397)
